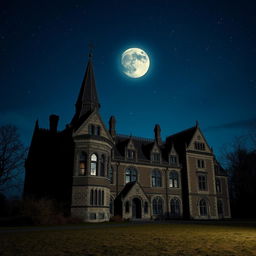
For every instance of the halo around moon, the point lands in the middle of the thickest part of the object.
(135, 62)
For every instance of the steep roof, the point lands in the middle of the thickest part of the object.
(87, 100)
(126, 190)
(181, 139)
(143, 147)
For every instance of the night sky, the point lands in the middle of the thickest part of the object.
(202, 57)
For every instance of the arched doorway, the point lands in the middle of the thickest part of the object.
(136, 208)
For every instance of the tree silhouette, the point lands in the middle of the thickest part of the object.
(12, 156)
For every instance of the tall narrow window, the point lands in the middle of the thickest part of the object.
(130, 174)
(127, 206)
(218, 185)
(102, 166)
(99, 195)
(158, 205)
(111, 176)
(202, 182)
(175, 207)
(111, 206)
(203, 207)
(82, 164)
(156, 178)
(95, 197)
(173, 179)
(146, 207)
(91, 197)
(220, 207)
(93, 165)
(98, 130)
(102, 197)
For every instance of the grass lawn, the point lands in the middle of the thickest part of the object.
(180, 239)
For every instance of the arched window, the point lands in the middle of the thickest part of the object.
(220, 207)
(82, 164)
(156, 178)
(158, 205)
(218, 185)
(203, 207)
(173, 179)
(130, 174)
(102, 166)
(127, 206)
(146, 207)
(111, 206)
(175, 207)
(93, 170)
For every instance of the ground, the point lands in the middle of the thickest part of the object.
(169, 238)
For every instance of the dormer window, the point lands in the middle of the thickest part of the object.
(130, 154)
(199, 146)
(94, 130)
(173, 159)
(156, 157)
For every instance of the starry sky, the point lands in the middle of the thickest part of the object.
(202, 57)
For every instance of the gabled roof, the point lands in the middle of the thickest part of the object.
(181, 139)
(143, 147)
(126, 190)
(87, 100)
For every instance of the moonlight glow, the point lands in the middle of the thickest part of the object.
(135, 62)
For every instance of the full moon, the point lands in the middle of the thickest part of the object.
(135, 62)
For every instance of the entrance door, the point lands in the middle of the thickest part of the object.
(136, 208)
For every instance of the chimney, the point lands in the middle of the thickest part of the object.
(157, 131)
(112, 126)
(54, 119)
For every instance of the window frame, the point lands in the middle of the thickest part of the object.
(94, 163)
(156, 178)
(131, 174)
(174, 179)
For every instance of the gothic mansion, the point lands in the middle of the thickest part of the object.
(96, 173)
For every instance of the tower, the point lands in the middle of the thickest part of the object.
(92, 154)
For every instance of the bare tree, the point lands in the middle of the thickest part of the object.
(12, 156)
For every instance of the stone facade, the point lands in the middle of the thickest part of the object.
(107, 174)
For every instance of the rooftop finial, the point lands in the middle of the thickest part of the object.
(91, 47)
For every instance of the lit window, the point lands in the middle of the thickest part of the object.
(173, 179)
(93, 165)
(130, 174)
(203, 207)
(202, 182)
(82, 164)
(156, 178)
(158, 205)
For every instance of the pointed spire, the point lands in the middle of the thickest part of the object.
(87, 100)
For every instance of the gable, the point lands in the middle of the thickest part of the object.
(199, 143)
(95, 120)
(134, 191)
(155, 149)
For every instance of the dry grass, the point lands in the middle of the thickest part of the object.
(147, 239)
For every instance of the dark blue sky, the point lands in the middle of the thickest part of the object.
(202, 64)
